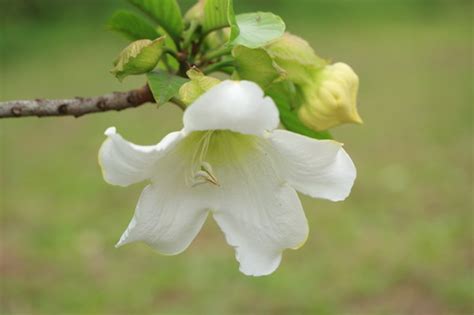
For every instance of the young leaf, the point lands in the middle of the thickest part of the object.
(284, 96)
(139, 57)
(258, 29)
(132, 26)
(165, 12)
(218, 14)
(257, 66)
(198, 85)
(164, 86)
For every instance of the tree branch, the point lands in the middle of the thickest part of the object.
(78, 106)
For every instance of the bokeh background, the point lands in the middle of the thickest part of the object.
(401, 244)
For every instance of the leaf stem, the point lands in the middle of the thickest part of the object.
(172, 53)
(218, 66)
(217, 53)
(164, 59)
(188, 36)
(178, 103)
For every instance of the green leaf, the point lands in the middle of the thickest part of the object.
(132, 26)
(198, 85)
(218, 14)
(164, 86)
(256, 65)
(258, 29)
(286, 97)
(139, 57)
(165, 12)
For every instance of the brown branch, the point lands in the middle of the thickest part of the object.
(78, 106)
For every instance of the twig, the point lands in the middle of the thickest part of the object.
(78, 106)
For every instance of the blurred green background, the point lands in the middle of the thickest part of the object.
(401, 244)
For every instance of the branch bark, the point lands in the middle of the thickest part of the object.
(78, 106)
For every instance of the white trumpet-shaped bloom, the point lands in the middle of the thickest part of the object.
(228, 160)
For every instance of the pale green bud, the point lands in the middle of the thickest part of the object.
(218, 38)
(330, 99)
(139, 57)
(196, 12)
(296, 57)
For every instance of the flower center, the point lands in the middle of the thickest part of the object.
(201, 171)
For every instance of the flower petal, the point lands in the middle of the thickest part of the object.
(170, 213)
(124, 163)
(259, 213)
(233, 105)
(318, 168)
(167, 218)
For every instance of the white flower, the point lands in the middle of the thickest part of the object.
(229, 161)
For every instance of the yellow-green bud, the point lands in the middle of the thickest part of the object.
(296, 57)
(199, 84)
(330, 99)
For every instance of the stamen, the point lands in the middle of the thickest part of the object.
(201, 171)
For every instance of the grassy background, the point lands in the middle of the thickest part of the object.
(401, 244)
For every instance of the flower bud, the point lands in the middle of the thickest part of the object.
(330, 98)
(296, 57)
(139, 57)
(218, 38)
(199, 84)
(196, 12)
